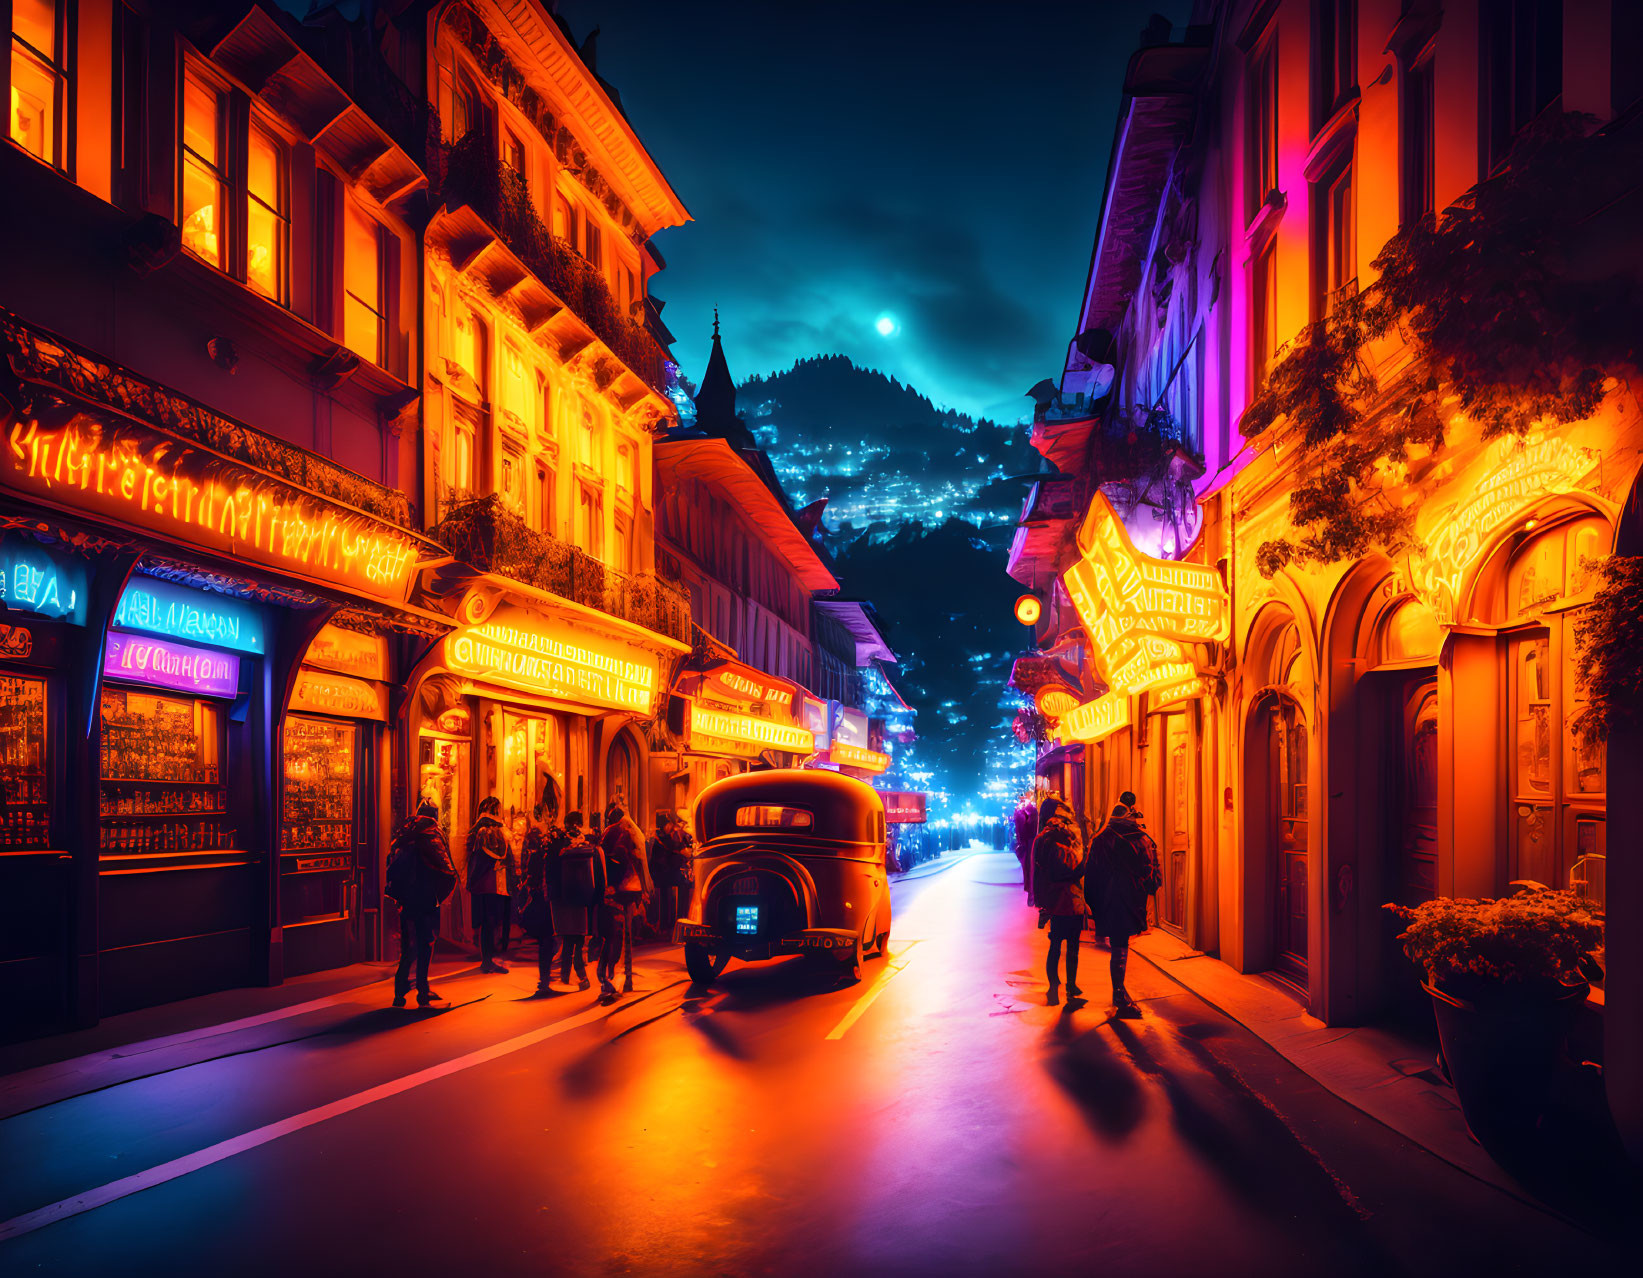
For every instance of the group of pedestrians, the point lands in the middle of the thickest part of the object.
(1103, 884)
(575, 888)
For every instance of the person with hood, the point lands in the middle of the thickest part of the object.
(419, 878)
(539, 879)
(673, 869)
(1058, 872)
(490, 870)
(627, 883)
(580, 892)
(1123, 872)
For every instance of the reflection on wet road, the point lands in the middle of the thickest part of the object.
(936, 1117)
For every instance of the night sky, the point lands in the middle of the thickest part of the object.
(936, 166)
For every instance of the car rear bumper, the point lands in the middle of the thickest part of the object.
(810, 941)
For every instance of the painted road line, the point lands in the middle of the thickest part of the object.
(139, 1181)
(891, 968)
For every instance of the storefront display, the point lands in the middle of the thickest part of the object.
(23, 822)
(161, 771)
(318, 815)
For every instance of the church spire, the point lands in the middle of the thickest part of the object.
(716, 401)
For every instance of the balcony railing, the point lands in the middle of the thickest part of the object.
(483, 533)
(471, 175)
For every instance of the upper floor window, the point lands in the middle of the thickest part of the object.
(587, 438)
(591, 243)
(516, 384)
(204, 205)
(1263, 316)
(513, 155)
(268, 217)
(1334, 56)
(468, 344)
(364, 297)
(590, 521)
(512, 484)
(1261, 124)
(1334, 246)
(1523, 68)
(39, 80)
(622, 551)
(1417, 132)
(627, 472)
(546, 483)
(460, 106)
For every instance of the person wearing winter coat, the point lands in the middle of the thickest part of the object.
(539, 879)
(672, 865)
(1058, 874)
(491, 869)
(627, 885)
(581, 890)
(1123, 872)
(420, 877)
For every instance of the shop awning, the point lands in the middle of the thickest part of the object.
(857, 616)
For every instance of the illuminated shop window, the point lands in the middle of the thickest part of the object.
(39, 79)
(204, 190)
(363, 329)
(267, 221)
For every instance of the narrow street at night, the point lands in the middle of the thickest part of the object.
(938, 1118)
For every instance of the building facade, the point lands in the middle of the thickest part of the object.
(208, 553)
(1350, 729)
(543, 384)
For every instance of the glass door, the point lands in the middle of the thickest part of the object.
(317, 826)
(23, 811)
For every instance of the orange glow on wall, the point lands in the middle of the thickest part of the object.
(153, 482)
(746, 731)
(1511, 477)
(1095, 720)
(520, 648)
(1138, 611)
(850, 756)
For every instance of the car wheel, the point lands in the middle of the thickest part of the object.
(704, 969)
(853, 959)
(882, 944)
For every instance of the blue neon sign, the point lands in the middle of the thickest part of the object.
(164, 608)
(33, 579)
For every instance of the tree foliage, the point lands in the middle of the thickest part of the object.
(1609, 648)
(1511, 316)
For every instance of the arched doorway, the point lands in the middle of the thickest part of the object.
(1278, 804)
(622, 774)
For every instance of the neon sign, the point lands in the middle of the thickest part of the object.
(164, 608)
(1138, 611)
(524, 649)
(32, 579)
(748, 730)
(139, 659)
(349, 652)
(849, 756)
(740, 684)
(339, 695)
(1054, 700)
(1514, 477)
(151, 481)
(1095, 720)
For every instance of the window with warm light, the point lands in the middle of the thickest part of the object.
(516, 384)
(267, 215)
(468, 344)
(363, 329)
(587, 437)
(626, 472)
(590, 521)
(464, 441)
(39, 79)
(204, 205)
(546, 481)
(1334, 245)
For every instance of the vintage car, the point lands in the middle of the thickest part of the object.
(787, 862)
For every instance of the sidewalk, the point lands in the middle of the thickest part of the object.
(1389, 1077)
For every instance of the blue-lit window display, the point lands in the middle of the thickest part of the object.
(35, 579)
(164, 608)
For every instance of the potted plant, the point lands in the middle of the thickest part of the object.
(1505, 977)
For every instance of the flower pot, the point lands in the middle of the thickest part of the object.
(1502, 1055)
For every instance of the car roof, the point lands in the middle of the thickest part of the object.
(843, 807)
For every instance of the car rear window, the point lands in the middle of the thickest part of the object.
(767, 815)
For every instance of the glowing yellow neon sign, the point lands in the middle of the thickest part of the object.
(1138, 611)
(1053, 700)
(527, 650)
(1514, 476)
(152, 481)
(748, 730)
(1095, 720)
(850, 756)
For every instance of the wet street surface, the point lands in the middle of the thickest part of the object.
(937, 1117)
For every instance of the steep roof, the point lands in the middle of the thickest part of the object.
(716, 400)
